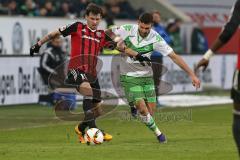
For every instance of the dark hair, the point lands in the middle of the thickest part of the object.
(146, 18)
(94, 9)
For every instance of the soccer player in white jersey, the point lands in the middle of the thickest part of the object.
(137, 77)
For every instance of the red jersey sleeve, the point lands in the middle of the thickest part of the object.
(69, 29)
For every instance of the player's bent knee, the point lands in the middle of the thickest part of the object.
(151, 107)
(141, 107)
(85, 89)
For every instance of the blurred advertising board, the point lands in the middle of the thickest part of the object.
(20, 82)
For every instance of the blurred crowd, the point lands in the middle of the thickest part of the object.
(113, 9)
(172, 27)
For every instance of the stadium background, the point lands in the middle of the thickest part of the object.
(23, 22)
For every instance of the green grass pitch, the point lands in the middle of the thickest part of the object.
(32, 132)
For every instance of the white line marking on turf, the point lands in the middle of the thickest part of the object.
(188, 100)
(36, 126)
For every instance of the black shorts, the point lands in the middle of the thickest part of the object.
(235, 92)
(76, 77)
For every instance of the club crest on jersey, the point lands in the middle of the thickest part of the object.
(98, 34)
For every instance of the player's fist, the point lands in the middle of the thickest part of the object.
(34, 49)
(121, 45)
(202, 63)
(142, 59)
(196, 82)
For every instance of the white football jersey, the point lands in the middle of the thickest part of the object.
(153, 42)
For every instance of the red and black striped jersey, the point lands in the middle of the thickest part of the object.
(86, 45)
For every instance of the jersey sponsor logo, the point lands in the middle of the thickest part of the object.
(91, 38)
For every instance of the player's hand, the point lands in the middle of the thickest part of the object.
(142, 59)
(34, 49)
(195, 82)
(202, 63)
(121, 45)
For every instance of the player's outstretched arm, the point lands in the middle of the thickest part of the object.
(208, 54)
(228, 31)
(181, 63)
(35, 48)
(120, 45)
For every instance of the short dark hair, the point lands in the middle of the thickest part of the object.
(94, 9)
(146, 18)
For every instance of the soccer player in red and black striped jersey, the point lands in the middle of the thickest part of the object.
(86, 44)
(228, 31)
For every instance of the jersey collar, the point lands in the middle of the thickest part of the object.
(140, 38)
(91, 29)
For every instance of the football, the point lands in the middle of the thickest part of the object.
(93, 136)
